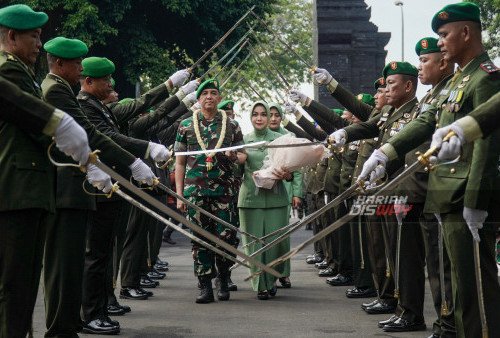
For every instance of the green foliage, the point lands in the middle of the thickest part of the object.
(490, 19)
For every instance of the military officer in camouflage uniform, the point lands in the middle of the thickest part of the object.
(464, 194)
(207, 180)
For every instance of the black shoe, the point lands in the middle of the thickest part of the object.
(321, 265)
(132, 293)
(168, 240)
(232, 286)
(263, 295)
(434, 335)
(222, 286)
(148, 283)
(328, 272)
(159, 261)
(313, 259)
(361, 292)
(403, 325)
(382, 323)
(285, 282)
(206, 294)
(155, 274)
(340, 280)
(273, 291)
(113, 322)
(161, 268)
(114, 310)
(100, 326)
(146, 292)
(380, 308)
(365, 305)
(125, 308)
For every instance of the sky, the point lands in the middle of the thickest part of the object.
(417, 25)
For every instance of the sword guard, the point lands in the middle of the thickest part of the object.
(396, 293)
(444, 308)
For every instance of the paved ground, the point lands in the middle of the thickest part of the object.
(311, 308)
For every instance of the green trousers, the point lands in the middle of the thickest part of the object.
(260, 222)
(459, 244)
(21, 251)
(63, 262)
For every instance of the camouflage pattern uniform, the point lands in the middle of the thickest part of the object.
(213, 190)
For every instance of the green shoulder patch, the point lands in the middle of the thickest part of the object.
(489, 67)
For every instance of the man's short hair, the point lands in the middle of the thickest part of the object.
(4, 33)
(413, 79)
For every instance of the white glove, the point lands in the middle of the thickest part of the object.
(191, 98)
(321, 76)
(99, 178)
(338, 138)
(158, 152)
(374, 166)
(141, 172)
(179, 77)
(298, 97)
(190, 87)
(475, 219)
(289, 108)
(72, 139)
(448, 150)
(197, 106)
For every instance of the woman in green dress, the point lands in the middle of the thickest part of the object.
(293, 188)
(263, 211)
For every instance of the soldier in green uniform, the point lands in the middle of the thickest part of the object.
(464, 193)
(27, 177)
(207, 180)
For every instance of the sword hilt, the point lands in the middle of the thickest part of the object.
(92, 159)
(425, 158)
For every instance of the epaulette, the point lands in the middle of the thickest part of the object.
(58, 80)
(11, 58)
(82, 97)
(489, 67)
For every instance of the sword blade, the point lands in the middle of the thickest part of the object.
(479, 287)
(198, 152)
(164, 209)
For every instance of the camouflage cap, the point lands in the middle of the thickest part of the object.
(212, 83)
(404, 68)
(427, 46)
(462, 11)
(66, 48)
(22, 17)
(97, 67)
(380, 82)
(367, 98)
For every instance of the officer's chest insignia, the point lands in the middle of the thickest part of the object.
(444, 92)
(489, 67)
(406, 115)
(459, 96)
(467, 78)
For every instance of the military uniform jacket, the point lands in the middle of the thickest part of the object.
(471, 181)
(69, 192)
(387, 124)
(328, 120)
(366, 148)
(26, 111)
(361, 110)
(487, 115)
(349, 157)
(23, 156)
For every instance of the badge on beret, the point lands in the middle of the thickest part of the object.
(424, 44)
(360, 97)
(381, 81)
(394, 65)
(444, 15)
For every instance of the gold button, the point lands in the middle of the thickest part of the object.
(33, 164)
(315, 172)
(350, 176)
(114, 167)
(364, 142)
(385, 130)
(357, 166)
(437, 125)
(426, 169)
(341, 169)
(452, 170)
(329, 168)
(406, 165)
(317, 165)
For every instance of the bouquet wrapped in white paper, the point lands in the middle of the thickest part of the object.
(291, 158)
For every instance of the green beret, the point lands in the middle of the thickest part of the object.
(22, 17)
(97, 67)
(367, 98)
(277, 106)
(380, 82)
(66, 48)
(125, 100)
(338, 111)
(226, 105)
(427, 46)
(212, 83)
(462, 11)
(113, 82)
(399, 68)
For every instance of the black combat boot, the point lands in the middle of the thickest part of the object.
(206, 293)
(232, 286)
(222, 286)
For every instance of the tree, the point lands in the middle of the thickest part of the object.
(490, 20)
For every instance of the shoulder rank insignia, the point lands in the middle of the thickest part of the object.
(489, 67)
(406, 115)
(11, 58)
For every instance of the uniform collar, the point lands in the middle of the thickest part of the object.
(474, 63)
(20, 61)
(59, 78)
(409, 103)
